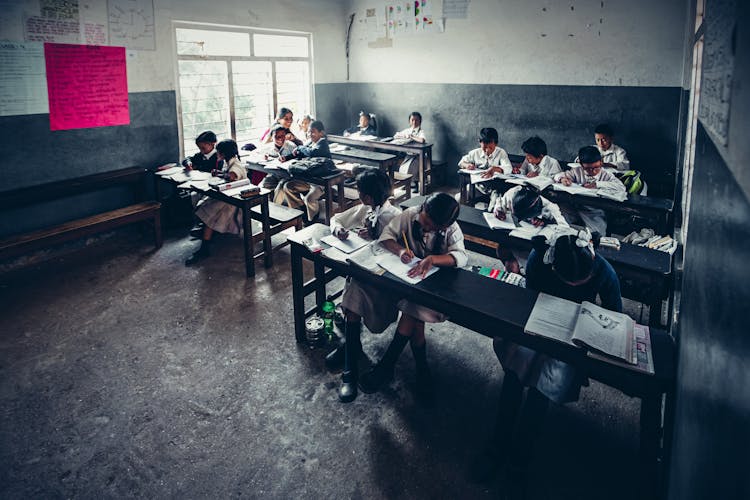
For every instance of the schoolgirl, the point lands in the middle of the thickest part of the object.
(432, 235)
(361, 301)
(218, 216)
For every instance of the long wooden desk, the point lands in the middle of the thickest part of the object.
(423, 151)
(659, 210)
(328, 181)
(245, 206)
(454, 292)
(645, 274)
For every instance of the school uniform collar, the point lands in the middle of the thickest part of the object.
(208, 156)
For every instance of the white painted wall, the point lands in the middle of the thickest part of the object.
(155, 70)
(613, 42)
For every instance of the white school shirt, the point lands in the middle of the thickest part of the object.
(403, 223)
(550, 210)
(285, 150)
(616, 156)
(547, 167)
(498, 158)
(604, 179)
(410, 133)
(359, 216)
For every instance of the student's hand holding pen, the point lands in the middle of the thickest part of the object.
(470, 166)
(565, 181)
(491, 171)
(421, 268)
(532, 174)
(363, 232)
(407, 255)
(342, 234)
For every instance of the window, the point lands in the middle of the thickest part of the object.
(233, 80)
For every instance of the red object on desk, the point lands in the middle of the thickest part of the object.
(256, 177)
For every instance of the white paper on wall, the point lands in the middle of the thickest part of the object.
(23, 82)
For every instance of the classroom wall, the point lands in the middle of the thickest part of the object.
(709, 455)
(550, 68)
(39, 155)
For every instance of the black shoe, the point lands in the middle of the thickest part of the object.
(348, 389)
(335, 359)
(415, 187)
(198, 256)
(197, 232)
(376, 378)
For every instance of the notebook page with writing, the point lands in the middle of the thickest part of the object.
(351, 244)
(392, 263)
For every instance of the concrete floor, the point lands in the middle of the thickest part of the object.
(125, 374)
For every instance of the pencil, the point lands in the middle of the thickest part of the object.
(406, 243)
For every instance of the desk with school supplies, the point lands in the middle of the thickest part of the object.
(659, 210)
(327, 182)
(454, 291)
(423, 151)
(645, 274)
(246, 206)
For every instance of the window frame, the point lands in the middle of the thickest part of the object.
(228, 62)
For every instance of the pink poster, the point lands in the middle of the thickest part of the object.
(87, 86)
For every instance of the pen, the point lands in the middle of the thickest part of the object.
(406, 243)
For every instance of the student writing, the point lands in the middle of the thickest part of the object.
(360, 300)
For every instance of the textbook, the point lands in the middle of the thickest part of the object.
(594, 193)
(584, 325)
(496, 223)
(540, 182)
(226, 186)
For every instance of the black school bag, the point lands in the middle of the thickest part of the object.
(312, 167)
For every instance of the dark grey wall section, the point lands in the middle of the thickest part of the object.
(710, 453)
(332, 104)
(645, 119)
(37, 155)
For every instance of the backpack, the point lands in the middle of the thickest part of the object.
(313, 167)
(632, 181)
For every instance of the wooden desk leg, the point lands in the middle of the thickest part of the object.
(650, 445)
(320, 283)
(329, 201)
(298, 298)
(421, 175)
(266, 226)
(247, 231)
(158, 238)
(340, 195)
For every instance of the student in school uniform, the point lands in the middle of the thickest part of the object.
(525, 203)
(566, 266)
(361, 301)
(217, 215)
(488, 158)
(363, 127)
(205, 159)
(295, 192)
(280, 148)
(614, 158)
(431, 233)
(589, 174)
(413, 133)
(285, 118)
(537, 161)
(303, 128)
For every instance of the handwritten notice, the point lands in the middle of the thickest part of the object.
(456, 9)
(87, 86)
(23, 88)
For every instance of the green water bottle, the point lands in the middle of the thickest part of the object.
(329, 310)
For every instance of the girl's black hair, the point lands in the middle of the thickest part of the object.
(527, 203)
(417, 115)
(442, 208)
(376, 184)
(571, 262)
(228, 149)
(282, 112)
(317, 125)
(278, 127)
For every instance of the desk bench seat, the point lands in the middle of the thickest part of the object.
(282, 218)
(19, 244)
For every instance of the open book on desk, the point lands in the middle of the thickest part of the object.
(496, 223)
(594, 193)
(351, 244)
(365, 257)
(392, 263)
(540, 182)
(584, 325)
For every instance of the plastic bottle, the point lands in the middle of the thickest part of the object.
(329, 309)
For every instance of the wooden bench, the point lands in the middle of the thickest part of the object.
(19, 244)
(282, 218)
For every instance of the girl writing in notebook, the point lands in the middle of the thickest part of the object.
(566, 266)
(362, 301)
(216, 215)
(431, 233)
